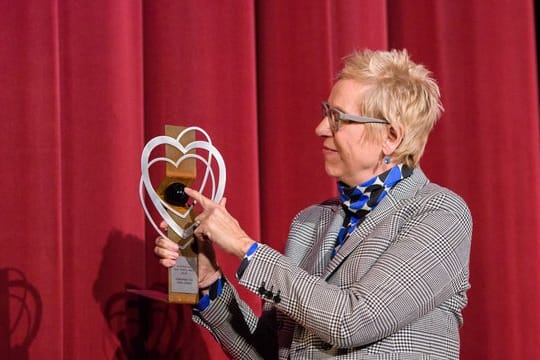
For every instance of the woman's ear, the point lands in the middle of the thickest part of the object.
(394, 136)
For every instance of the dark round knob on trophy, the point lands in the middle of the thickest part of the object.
(175, 194)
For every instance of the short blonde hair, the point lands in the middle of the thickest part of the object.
(400, 91)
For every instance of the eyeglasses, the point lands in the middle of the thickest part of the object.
(336, 117)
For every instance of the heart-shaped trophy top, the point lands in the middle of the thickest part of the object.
(187, 152)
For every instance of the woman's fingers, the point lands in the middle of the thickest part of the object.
(165, 253)
(163, 225)
(205, 202)
(167, 262)
(216, 224)
(167, 250)
(166, 244)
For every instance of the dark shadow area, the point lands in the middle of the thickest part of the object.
(145, 328)
(21, 310)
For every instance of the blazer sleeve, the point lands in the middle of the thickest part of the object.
(422, 267)
(237, 328)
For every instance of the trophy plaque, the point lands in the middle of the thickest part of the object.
(182, 151)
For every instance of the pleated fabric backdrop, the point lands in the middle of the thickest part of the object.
(83, 86)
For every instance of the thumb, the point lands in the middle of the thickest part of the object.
(223, 201)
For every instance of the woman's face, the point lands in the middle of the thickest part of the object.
(348, 155)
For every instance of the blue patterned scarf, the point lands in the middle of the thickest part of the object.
(360, 200)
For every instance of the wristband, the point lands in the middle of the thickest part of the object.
(247, 258)
(215, 289)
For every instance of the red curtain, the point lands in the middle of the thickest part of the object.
(83, 86)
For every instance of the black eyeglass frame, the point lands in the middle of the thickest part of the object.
(336, 117)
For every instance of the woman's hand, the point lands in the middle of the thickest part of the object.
(217, 225)
(166, 249)
(208, 270)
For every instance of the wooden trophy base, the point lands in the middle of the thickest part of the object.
(183, 280)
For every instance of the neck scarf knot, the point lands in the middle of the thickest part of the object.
(358, 201)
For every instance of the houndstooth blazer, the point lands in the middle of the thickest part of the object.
(395, 290)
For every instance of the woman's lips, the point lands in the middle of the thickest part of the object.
(327, 150)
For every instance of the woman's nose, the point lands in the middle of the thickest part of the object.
(323, 129)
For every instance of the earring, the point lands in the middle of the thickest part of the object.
(387, 159)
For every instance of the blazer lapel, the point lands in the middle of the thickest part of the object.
(319, 255)
(403, 191)
(357, 237)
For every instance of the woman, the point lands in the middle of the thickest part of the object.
(381, 272)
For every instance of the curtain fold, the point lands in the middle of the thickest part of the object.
(83, 86)
(31, 259)
(100, 71)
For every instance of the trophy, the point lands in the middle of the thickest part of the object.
(182, 151)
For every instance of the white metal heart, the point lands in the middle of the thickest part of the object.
(159, 204)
